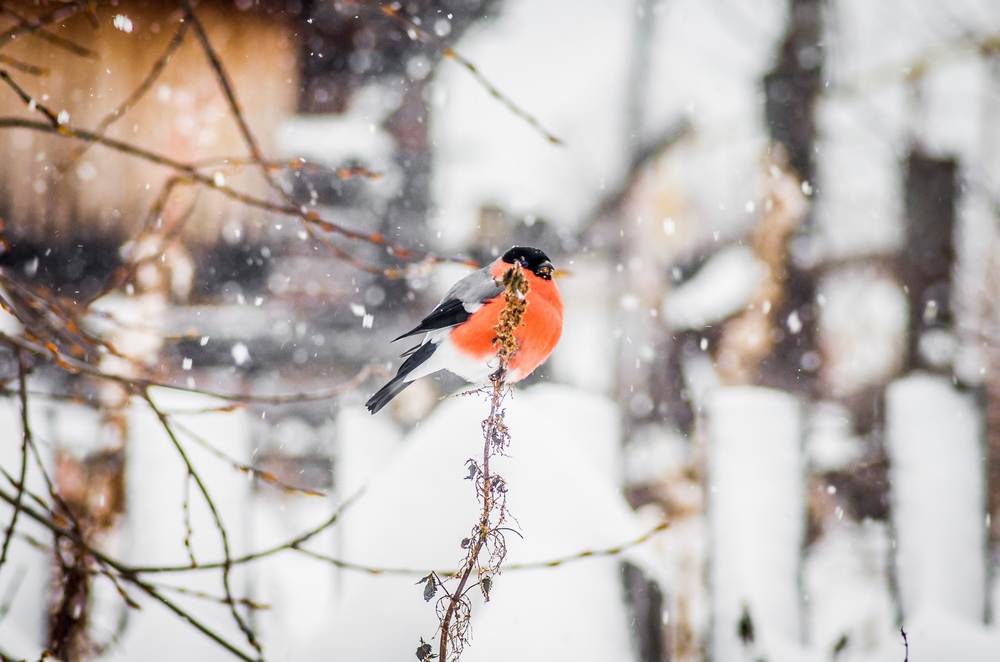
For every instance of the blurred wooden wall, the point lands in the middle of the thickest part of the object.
(45, 197)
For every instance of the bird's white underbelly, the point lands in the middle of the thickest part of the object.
(447, 357)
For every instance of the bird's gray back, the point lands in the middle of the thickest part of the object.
(474, 289)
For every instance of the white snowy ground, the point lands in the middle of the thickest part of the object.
(562, 474)
(415, 508)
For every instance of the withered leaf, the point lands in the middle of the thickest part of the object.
(430, 587)
(424, 651)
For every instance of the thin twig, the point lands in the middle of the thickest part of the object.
(297, 164)
(11, 592)
(589, 554)
(223, 533)
(293, 544)
(74, 366)
(235, 109)
(123, 571)
(191, 173)
(188, 529)
(23, 67)
(259, 474)
(415, 31)
(245, 602)
(135, 97)
(30, 101)
(296, 545)
(22, 370)
(36, 27)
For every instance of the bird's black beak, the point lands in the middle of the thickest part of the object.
(544, 270)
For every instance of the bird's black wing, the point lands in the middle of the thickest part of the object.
(464, 298)
(450, 312)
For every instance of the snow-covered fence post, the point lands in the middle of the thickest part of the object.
(933, 439)
(756, 520)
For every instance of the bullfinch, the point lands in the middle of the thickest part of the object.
(459, 333)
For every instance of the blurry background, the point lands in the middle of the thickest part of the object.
(780, 223)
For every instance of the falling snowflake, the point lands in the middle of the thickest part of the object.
(123, 23)
(794, 323)
(240, 353)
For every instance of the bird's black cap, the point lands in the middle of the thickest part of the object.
(529, 258)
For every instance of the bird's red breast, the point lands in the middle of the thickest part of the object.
(537, 336)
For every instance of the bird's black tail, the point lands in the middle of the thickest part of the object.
(416, 357)
(386, 393)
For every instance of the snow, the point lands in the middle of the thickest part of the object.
(867, 122)
(681, 551)
(563, 500)
(549, 65)
(871, 117)
(707, 59)
(567, 72)
(585, 355)
(721, 288)
(862, 328)
(938, 347)
(123, 23)
(71, 427)
(701, 377)
(830, 441)
(974, 286)
(569, 614)
(654, 452)
(336, 139)
(364, 445)
(845, 585)
(357, 136)
(134, 325)
(240, 353)
(938, 634)
(301, 593)
(858, 207)
(8, 323)
(950, 120)
(933, 436)
(756, 516)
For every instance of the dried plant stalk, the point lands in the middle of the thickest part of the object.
(486, 538)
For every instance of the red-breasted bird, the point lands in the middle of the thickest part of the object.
(459, 334)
